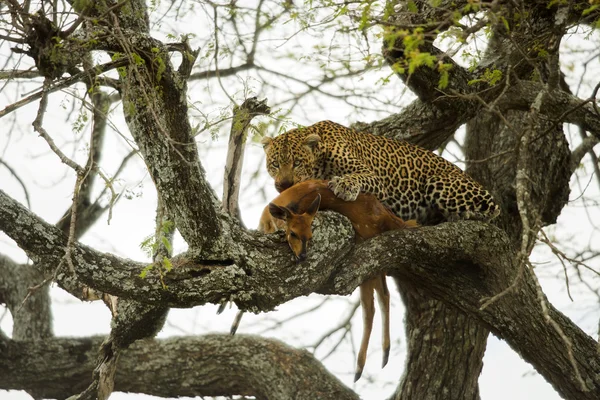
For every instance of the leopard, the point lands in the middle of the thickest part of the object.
(413, 182)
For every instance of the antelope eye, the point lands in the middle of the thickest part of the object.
(293, 234)
(297, 163)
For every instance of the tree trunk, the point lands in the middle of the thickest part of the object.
(435, 344)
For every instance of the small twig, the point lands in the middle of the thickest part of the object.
(71, 240)
(81, 173)
(216, 57)
(490, 300)
(486, 159)
(558, 329)
(32, 290)
(48, 88)
(346, 330)
(342, 325)
(37, 125)
(294, 316)
(504, 89)
(113, 197)
(558, 254)
(16, 176)
(562, 255)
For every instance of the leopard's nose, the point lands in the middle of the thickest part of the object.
(283, 184)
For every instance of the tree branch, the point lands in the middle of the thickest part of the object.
(242, 116)
(460, 263)
(100, 69)
(429, 125)
(251, 366)
(558, 105)
(257, 260)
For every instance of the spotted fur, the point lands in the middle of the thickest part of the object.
(415, 183)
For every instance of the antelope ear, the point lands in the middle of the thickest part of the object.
(312, 141)
(314, 206)
(266, 142)
(279, 212)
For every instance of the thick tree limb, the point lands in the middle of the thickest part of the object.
(460, 263)
(256, 260)
(210, 365)
(558, 105)
(429, 125)
(155, 106)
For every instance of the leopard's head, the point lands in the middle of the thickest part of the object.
(291, 157)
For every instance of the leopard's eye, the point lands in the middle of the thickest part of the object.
(297, 163)
(275, 164)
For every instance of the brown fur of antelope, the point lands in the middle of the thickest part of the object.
(298, 205)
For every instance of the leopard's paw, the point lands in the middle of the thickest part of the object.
(344, 188)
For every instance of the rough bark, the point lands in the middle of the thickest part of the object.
(439, 334)
(32, 319)
(211, 365)
(242, 115)
(462, 263)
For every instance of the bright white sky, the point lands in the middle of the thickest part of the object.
(50, 186)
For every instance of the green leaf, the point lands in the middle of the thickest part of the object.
(167, 264)
(590, 10)
(444, 69)
(419, 59)
(506, 25)
(137, 59)
(145, 271)
(166, 243)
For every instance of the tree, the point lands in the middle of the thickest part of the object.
(459, 281)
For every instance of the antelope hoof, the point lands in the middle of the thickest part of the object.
(386, 357)
(357, 374)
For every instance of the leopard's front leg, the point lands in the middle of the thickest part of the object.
(347, 187)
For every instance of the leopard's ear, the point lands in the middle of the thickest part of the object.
(266, 142)
(312, 141)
